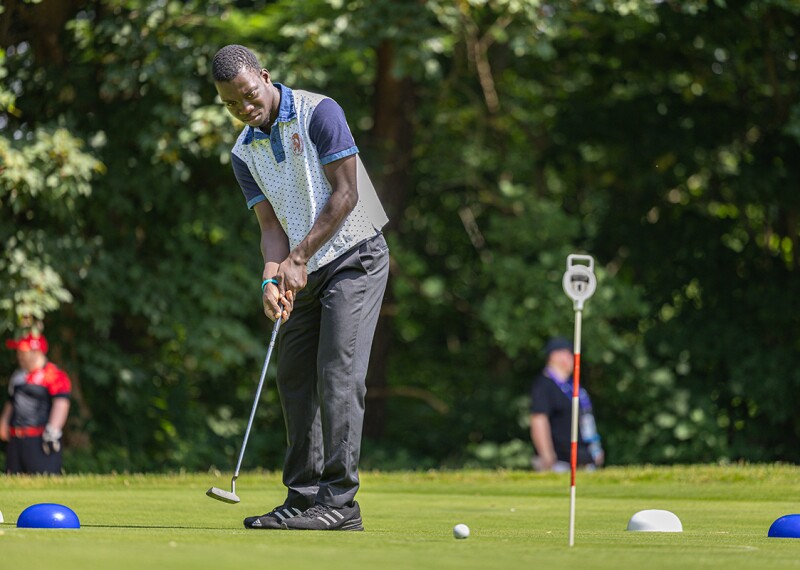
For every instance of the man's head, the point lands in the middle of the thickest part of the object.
(31, 350)
(559, 355)
(244, 86)
(232, 60)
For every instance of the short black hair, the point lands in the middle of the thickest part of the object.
(231, 60)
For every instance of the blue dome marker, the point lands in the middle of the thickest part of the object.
(785, 527)
(48, 515)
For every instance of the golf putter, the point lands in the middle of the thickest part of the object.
(232, 497)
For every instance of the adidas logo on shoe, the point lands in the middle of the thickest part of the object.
(272, 519)
(324, 517)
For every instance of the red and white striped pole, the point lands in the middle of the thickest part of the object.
(573, 460)
(579, 284)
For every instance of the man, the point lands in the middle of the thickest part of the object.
(34, 416)
(325, 269)
(551, 414)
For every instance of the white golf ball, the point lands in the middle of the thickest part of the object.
(461, 531)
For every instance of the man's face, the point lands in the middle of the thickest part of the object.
(248, 97)
(563, 359)
(28, 359)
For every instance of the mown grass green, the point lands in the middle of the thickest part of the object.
(518, 520)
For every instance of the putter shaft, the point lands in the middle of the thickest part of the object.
(232, 497)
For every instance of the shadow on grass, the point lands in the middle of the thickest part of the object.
(153, 527)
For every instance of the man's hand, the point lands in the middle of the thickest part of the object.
(51, 440)
(274, 301)
(294, 274)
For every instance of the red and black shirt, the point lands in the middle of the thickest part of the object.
(31, 394)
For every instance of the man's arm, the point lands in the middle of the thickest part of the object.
(59, 413)
(342, 177)
(51, 438)
(543, 440)
(274, 249)
(5, 419)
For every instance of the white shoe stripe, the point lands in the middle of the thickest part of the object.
(280, 516)
(338, 514)
(297, 511)
(288, 514)
(329, 517)
(325, 521)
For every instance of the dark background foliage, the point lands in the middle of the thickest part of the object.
(502, 135)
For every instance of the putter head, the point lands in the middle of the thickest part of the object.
(222, 495)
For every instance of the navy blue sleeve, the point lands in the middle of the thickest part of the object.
(329, 132)
(250, 189)
(540, 397)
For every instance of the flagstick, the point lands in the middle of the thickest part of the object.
(574, 438)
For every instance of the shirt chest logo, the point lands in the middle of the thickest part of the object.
(297, 144)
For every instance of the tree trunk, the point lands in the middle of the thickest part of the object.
(393, 136)
(41, 24)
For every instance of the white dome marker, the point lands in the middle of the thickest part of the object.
(655, 520)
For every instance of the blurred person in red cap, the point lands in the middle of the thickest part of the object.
(37, 408)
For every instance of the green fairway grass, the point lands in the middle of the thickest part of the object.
(518, 520)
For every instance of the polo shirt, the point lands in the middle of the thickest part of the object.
(548, 399)
(31, 394)
(285, 167)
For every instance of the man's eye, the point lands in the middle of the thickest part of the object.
(251, 94)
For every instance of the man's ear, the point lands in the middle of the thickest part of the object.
(265, 74)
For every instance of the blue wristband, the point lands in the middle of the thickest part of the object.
(264, 283)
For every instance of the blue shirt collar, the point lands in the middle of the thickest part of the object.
(286, 113)
(286, 110)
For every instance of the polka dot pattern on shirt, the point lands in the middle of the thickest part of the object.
(297, 188)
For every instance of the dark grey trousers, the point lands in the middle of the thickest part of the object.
(323, 353)
(25, 455)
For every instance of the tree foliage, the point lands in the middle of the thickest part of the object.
(503, 134)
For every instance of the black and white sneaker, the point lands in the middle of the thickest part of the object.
(272, 519)
(323, 517)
